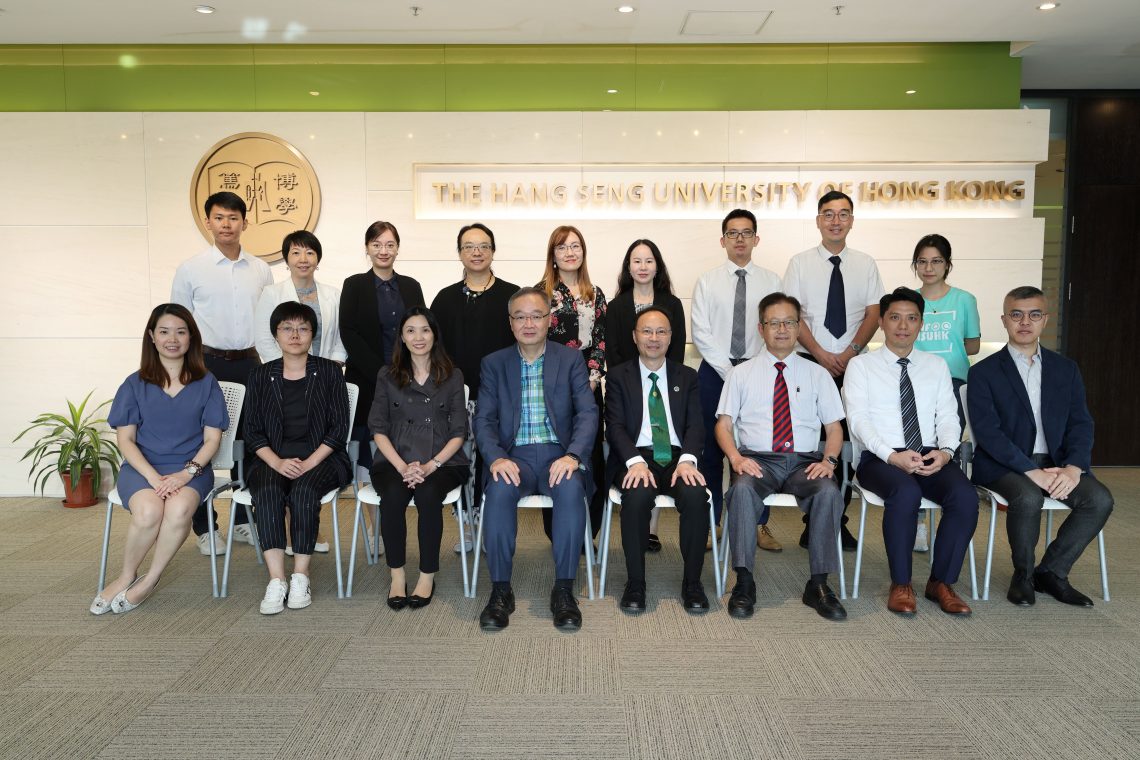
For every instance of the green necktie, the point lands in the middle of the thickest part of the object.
(659, 425)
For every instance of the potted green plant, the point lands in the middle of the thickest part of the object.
(76, 446)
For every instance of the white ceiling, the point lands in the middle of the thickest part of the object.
(1081, 44)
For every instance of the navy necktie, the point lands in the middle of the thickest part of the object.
(912, 432)
(835, 320)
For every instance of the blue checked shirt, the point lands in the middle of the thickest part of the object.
(534, 425)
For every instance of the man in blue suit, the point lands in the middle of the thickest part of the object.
(535, 427)
(1033, 436)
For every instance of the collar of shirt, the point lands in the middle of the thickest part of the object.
(826, 254)
(751, 267)
(539, 358)
(1022, 359)
(771, 359)
(662, 380)
(890, 358)
(219, 257)
(390, 283)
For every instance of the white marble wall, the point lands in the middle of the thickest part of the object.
(94, 212)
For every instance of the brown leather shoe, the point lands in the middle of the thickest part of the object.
(902, 601)
(948, 600)
(766, 541)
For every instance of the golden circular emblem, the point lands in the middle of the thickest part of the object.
(276, 182)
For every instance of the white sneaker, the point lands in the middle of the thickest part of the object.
(921, 540)
(299, 596)
(219, 543)
(244, 534)
(275, 594)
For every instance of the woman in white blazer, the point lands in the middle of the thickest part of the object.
(302, 252)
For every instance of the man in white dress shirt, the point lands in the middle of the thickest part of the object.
(724, 305)
(902, 414)
(220, 287)
(839, 289)
(773, 406)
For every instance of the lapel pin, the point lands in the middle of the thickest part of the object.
(676, 389)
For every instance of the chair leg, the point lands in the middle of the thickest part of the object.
(842, 572)
(589, 554)
(1103, 566)
(720, 562)
(478, 549)
(990, 548)
(973, 573)
(930, 533)
(336, 547)
(357, 518)
(607, 517)
(460, 518)
(1048, 528)
(859, 550)
(375, 534)
(107, 544)
(229, 549)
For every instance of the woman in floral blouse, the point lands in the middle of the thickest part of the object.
(578, 320)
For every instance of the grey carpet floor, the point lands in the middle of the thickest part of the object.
(187, 675)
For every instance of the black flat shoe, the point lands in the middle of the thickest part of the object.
(415, 601)
(1059, 589)
(693, 598)
(654, 543)
(497, 614)
(742, 602)
(397, 602)
(1021, 590)
(633, 600)
(564, 607)
(823, 600)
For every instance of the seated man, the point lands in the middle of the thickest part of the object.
(901, 411)
(654, 446)
(535, 427)
(1034, 439)
(777, 402)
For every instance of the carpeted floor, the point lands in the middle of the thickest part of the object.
(187, 675)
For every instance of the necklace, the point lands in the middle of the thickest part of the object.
(471, 293)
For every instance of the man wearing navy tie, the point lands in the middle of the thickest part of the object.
(902, 414)
(1034, 438)
(772, 408)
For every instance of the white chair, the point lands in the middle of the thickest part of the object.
(535, 502)
(245, 499)
(997, 501)
(787, 500)
(663, 502)
(228, 456)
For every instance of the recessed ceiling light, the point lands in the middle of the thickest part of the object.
(314, 93)
(612, 91)
(911, 92)
(626, 9)
(205, 9)
(1047, 6)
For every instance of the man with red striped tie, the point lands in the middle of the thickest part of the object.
(768, 423)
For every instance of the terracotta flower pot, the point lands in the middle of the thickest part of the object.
(80, 495)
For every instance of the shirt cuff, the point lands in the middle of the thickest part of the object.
(634, 460)
(687, 458)
(884, 452)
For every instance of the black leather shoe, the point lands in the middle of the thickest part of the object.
(1059, 588)
(693, 598)
(564, 607)
(823, 600)
(416, 602)
(633, 600)
(398, 602)
(1021, 590)
(654, 543)
(804, 538)
(850, 543)
(497, 614)
(742, 602)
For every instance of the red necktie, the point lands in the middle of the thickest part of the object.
(781, 413)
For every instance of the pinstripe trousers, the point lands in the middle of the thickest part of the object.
(271, 491)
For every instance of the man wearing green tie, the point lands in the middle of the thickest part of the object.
(655, 430)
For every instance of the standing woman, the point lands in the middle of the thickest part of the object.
(168, 419)
(302, 252)
(643, 282)
(578, 320)
(296, 427)
(371, 305)
(950, 326)
(418, 419)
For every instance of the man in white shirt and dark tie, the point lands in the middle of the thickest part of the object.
(769, 421)
(723, 309)
(902, 414)
(839, 289)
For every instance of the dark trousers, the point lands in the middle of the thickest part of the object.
(902, 493)
(500, 512)
(271, 491)
(637, 504)
(394, 499)
(228, 371)
(1091, 504)
(597, 474)
(786, 473)
(711, 463)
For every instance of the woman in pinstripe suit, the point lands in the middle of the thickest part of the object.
(296, 424)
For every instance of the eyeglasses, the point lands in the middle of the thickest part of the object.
(376, 245)
(533, 319)
(776, 324)
(831, 216)
(1017, 315)
(575, 247)
(301, 330)
(742, 234)
(924, 263)
(660, 332)
(472, 247)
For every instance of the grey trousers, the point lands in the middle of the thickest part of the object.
(784, 473)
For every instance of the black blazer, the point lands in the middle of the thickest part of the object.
(327, 399)
(620, 318)
(625, 405)
(1001, 418)
(360, 332)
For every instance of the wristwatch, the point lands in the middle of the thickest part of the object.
(577, 459)
(438, 464)
(949, 452)
(833, 461)
(855, 347)
(194, 468)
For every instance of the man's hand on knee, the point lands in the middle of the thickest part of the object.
(688, 473)
(561, 469)
(506, 470)
(639, 475)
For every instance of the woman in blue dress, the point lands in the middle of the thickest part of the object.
(168, 419)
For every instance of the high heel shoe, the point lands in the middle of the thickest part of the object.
(120, 604)
(416, 601)
(398, 602)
